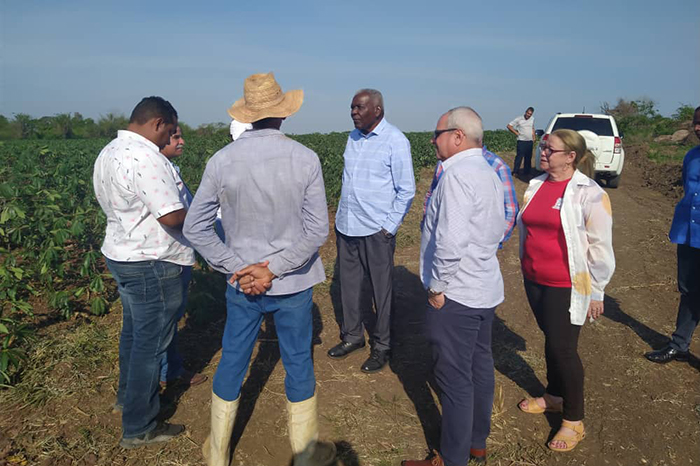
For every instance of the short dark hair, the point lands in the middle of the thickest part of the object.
(153, 107)
(532, 109)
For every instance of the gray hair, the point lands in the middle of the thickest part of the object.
(373, 94)
(467, 120)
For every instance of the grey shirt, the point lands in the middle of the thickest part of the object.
(464, 222)
(273, 207)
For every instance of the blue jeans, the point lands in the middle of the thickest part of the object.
(151, 294)
(171, 365)
(460, 337)
(244, 314)
(689, 287)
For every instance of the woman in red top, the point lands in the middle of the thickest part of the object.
(554, 212)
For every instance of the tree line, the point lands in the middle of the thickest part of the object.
(75, 126)
(638, 117)
(641, 117)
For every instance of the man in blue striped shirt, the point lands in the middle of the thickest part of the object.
(378, 188)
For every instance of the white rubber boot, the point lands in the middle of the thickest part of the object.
(217, 446)
(303, 435)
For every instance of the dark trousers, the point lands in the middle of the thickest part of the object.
(463, 365)
(523, 151)
(689, 287)
(359, 256)
(564, 368)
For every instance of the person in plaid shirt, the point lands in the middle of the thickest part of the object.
(510, 201)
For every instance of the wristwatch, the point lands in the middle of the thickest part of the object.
(432, 292)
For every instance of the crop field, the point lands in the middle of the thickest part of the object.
(51, 227)
(60, 319)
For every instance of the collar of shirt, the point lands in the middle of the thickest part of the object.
(126, 134)
(461, 155)
(259, 133)
(379, 129)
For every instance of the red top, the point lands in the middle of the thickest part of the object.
(545, 259)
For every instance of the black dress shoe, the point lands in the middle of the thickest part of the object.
(666, 354)
(342, 349)
(376, 361)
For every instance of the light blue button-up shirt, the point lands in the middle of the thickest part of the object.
(378, 182)
(464, 222)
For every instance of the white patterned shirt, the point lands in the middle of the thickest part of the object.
(135, 185)
(586, 219)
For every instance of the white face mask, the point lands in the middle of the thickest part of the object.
(237, 128)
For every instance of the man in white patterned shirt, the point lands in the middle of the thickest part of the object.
(146, 253)
(464, 223)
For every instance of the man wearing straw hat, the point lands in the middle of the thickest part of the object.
(275, 218)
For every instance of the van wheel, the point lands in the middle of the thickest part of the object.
(614, 181)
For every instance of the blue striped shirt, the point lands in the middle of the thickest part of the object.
(378, 182)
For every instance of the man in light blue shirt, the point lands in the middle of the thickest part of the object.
(378, 188)
(464, 223)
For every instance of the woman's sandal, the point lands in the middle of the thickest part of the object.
(532, 407)
(570, 440)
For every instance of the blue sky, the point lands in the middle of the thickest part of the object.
(498, 57)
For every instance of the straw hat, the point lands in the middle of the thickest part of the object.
(263, 98)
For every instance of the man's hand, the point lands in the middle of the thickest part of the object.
(595, 310)
(437, 300)
(255, 279)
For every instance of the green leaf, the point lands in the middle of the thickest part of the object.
(3, 328)
(98, 306)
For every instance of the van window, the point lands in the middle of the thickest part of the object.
(600, 126)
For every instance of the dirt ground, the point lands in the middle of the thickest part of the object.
(637, 413)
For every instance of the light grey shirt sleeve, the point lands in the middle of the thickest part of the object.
(199, 225)
(454, 201)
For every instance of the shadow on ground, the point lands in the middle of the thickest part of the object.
(410, 353)
(614, 312)
(506, 344)
(200, 340)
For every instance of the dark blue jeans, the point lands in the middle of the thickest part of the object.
(461, 346)
(171, 365)
(689, 287)
(293, 321)
(151, 294)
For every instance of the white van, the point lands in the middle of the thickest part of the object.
(609, 153)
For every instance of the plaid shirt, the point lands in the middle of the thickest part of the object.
(510, 201)
(510, 198)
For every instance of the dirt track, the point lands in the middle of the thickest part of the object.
(637, 413)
